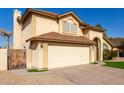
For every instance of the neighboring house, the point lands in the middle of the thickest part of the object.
(118, 44)
(116, 41)
(56, 40)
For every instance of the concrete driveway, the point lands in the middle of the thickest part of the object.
(79, 75)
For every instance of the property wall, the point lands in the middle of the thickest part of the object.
(3, 59)
(69, 17)
(45, 24)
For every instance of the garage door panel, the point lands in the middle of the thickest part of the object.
(61, 56)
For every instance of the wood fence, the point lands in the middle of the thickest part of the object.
(16, 59)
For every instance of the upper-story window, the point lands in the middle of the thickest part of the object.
(66, 27)
(69, 27)
(74, 28)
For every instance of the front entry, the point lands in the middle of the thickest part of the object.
(97, 49)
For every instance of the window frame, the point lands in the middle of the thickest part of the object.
(74, 28)
(64, 27)
(70, 28)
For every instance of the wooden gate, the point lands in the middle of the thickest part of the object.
(16, 59)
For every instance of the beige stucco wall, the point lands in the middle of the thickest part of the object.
(28, 31)
(16, 31)
(45, 24)
(3, 59)
(95, 34)
(37, 25)
(86, 33)
(92, 56)
(35, 56)
(69, 17)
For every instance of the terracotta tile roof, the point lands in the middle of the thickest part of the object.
(56, 37)
(51, 13)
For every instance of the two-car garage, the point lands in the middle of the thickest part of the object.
(61, 56)
(57, 50)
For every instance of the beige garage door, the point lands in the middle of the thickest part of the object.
(61, 56)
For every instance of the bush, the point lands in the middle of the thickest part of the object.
(37, 70)
(113, 54)
(106, 54)
(94, 63)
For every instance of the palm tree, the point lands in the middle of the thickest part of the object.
(7, 35)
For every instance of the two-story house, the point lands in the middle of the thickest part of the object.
(57, 40)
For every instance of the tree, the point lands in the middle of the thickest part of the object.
(99, 26)
(7, 35)
(107, 54)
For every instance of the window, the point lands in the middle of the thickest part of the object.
(105, 46)
(74, 28)
(66, 27)
(69, 27)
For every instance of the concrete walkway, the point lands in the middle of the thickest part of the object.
(84, 74)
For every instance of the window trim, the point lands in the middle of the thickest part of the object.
(69, 32)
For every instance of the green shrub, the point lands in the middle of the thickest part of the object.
(113, 54)
(37, 70)
(94, 62)
(106, 54)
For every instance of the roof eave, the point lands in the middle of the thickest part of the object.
(32, 11)
(108, 41)
(58, 41)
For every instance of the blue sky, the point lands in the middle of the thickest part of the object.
(112, 19)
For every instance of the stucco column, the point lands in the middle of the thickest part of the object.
(17, 44)
(90, 54)
(93, 54)
(45, 55)
(118, 52)
(101, 59)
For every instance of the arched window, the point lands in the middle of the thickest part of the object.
(105, 46)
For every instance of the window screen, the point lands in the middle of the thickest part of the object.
(66, 26)
(74, 28)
